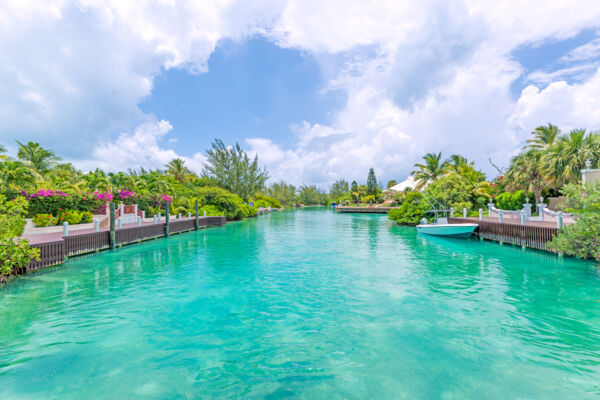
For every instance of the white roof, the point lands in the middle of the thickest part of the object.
(408, 183)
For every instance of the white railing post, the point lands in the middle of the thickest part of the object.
(522, 217)
(136, 209)
(480, 213)
(155, 219)
(65, 229)
(179, 216)
(205, 213)
(143, 215)
(559, 219)
(499, 215)
(541, 208)
(451, 212)
(120, 222)
(189, 214)
(464, 212)
(158, 217)
(96, 226)
(490, 206)
(139, 221)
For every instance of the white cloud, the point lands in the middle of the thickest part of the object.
(567, 105)
(138, 149)
(419, 76)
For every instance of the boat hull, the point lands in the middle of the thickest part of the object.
(460, 231)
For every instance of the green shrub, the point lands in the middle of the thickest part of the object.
(211, 211)
(249, 211)
(228, 202)
(70, 216)
(261, 204)
(581, 239)
(270, 201)
(411, 211)
(14, 253)
(41, 220)
(512, 200)
(86, 217)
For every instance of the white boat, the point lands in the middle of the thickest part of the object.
(462, 231)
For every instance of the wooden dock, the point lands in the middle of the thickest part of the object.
(54, 251)
(364, 210)
(530, 235)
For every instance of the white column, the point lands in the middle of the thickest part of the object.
(205, 213)
(499, 215)
(451, 212)
(143, 215)
(522, 217)
(65, 229)
(139, 220)
(480, 214)
(120, 222)
(96, 226)
(189, 214)
(136, 210)
(155, 219)
(464, 212)
(559, 219)
(541, 208)
(490, 205)
(158, 217)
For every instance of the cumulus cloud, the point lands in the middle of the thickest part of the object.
(138, 149)
(419, 76)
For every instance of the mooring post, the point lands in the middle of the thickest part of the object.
(189, 215)
(559, 220)
(480, 213)
(112, 225)
(178, 215)
(96, 226)
(197, 224)
(65, 229)
(167, 219)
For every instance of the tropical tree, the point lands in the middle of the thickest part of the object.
(525, 173)
(284, 192)
(372, 187)
(234, 170)
(177, 169)
(15, 174)
(563, 161)
(544, 136)
(339, 189)
(311, 195)
(2, 151)
(36, 157)
(430, 170)
(391, 183)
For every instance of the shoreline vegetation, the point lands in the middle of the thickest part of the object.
(38, 185)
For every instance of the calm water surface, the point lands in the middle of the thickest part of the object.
(304, 304)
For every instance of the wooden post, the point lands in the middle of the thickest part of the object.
(167, 219)
(197, 224)
(112, 225)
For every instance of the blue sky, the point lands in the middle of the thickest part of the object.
(318, 90)
(253, 88)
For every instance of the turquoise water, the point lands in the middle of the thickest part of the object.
(305, 304)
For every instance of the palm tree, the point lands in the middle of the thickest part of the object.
(2, 150)
(564, 160)
(544, 136)
(430, 171)
(525, 173)
(177, 169)
(15, 174)
(36, 157)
